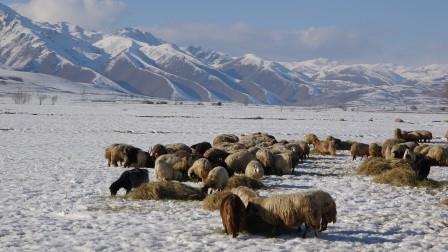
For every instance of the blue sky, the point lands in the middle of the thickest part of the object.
(353, 31)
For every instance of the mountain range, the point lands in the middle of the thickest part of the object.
(131, 61)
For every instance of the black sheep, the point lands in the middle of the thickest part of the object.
(422, 167)
(129, 179)
(201, 148)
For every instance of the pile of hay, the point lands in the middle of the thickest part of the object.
(396, 172)
(236, 181)
(377, 165)
(213, 201)
(165, 190)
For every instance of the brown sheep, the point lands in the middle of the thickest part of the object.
(266, 158)
(438, 155)
(359, 149)
(108, 154)
(233, 214)
(200, 148)
(399, 134)
(311, 139)
(173, 148)
(237, 162)
(216, 156)
(157, 151)
(325, 147)
(224, 138)
(374, 150)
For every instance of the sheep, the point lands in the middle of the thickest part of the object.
(172, 166)
(224, 138)
(201, 148)
(137, 158)
(266, 158)
(325, 147)
(231, 147)
(290, 210)
(424, 135)
(374, 150)
(395, 151)
(245, 194)
(237, 162)
(216, 156)
(389, 142)
(173, 148)
(297, 153)
(157, 151)
(311, 139)
(438, 155)
(359, 149)
(200, 169)
(399, 134)
(257, 139)
(129, 179)
(233, 213)
(116, 154)
(282, 164)
(108, 154)
(420, 164)
(305, 148)
(243, 180)
(254, 169)
(422, 149)
(217, 179)
(327, 207)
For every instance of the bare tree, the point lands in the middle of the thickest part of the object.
(20, 97)
(42, 98)
(54, 99)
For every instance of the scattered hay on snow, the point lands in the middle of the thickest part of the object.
(376, 165)
(444, 202)
(236, 181)
(165, 190)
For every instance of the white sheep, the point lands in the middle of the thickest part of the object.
(200, 169)
(217, 179)
(170, 167)
(254, 169)
(237, 162)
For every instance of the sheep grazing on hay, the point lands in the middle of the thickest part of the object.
(293, 210)
(236, 181)
(216, 179)
(161, 190)
(325, 147)
(359, 149)
(233, 214)
(375, 166)
(173, 166)
(128, 180)
(389, 143)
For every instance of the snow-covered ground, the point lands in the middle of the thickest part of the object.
(55, 181)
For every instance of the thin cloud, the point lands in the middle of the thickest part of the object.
(92, 14)
(278, 44)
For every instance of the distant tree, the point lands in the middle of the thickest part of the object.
(41, 98)
(54, 99)
(20, 97)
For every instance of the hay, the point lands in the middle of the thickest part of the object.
(236, 181)
(165, 190)
(213, 201)
(377, 165)
(404, 176)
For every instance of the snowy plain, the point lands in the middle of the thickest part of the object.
(55, 180)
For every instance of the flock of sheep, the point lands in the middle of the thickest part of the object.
(231, 167)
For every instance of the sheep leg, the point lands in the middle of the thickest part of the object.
(305, 231)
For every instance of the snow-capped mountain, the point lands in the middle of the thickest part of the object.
(137, 62)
